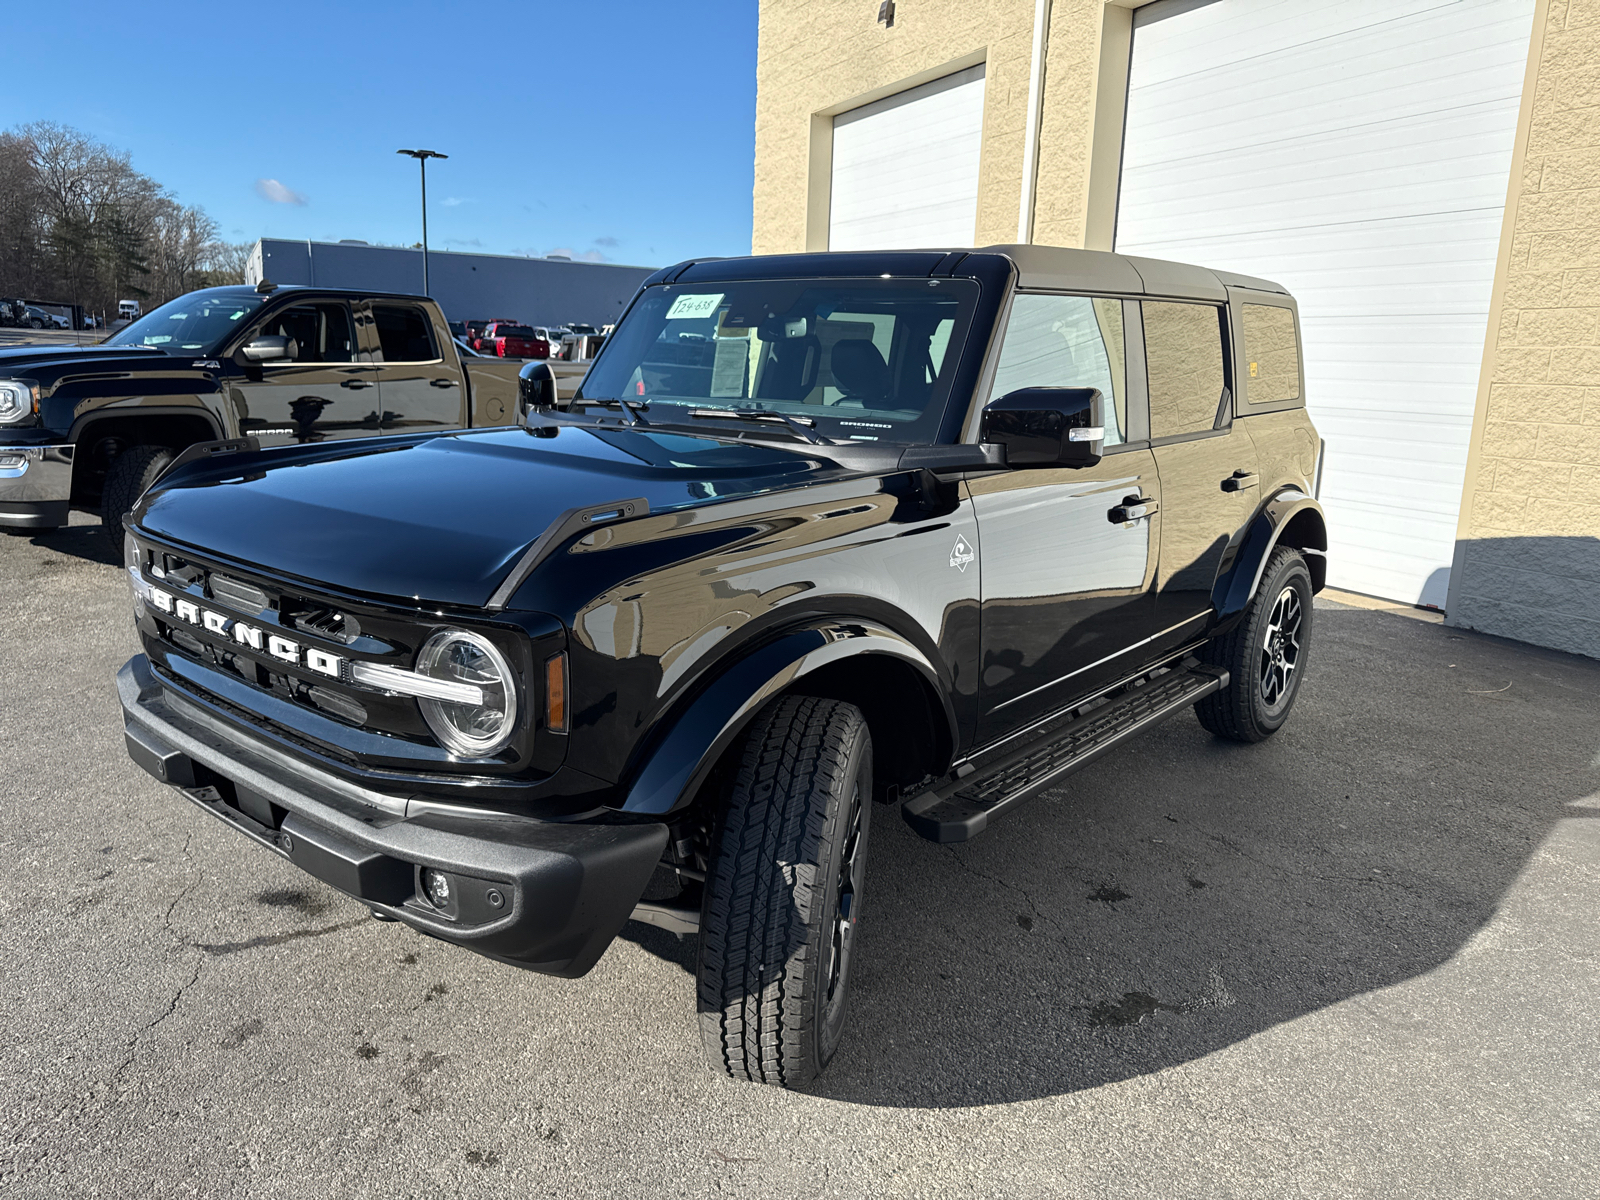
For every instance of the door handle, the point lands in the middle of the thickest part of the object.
(1239, 480)
(1133, 508)
(442, 382)
(355, 383)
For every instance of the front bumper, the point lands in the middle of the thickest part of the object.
(35, 486)
(544, 895)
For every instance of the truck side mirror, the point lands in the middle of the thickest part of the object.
(1047, 426)
(270, 348)
(536, 389)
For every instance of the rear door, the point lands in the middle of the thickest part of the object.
(1066, 589)
(1209, 485)
(325, 390)
(419, 379)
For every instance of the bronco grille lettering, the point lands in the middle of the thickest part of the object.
(245, 634)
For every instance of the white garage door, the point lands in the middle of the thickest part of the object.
(905, 168)
(1358, 153)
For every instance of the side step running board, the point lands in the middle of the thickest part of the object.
(956, 811)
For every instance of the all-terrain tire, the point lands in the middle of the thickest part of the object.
(1266, 655)
(132, 471)
(782, 896)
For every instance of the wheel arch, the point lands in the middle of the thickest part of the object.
(175, 427)
(898, 689)
(1289, 518)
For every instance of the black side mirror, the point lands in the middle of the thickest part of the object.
(536, 388)
(1047, 426)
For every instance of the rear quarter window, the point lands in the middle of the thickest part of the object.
(1271, 353)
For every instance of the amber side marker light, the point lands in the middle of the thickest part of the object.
(555, 693)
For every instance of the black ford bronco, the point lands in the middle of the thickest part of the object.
(922, 528)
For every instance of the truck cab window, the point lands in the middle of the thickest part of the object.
(1068, 341)
(320, 333)
(403, 334)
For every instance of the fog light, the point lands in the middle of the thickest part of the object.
(436, 884)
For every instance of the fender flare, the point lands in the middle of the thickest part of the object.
(1236, 585)
(111, 412)
(680, 759)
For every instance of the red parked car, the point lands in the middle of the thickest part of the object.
(509, 340)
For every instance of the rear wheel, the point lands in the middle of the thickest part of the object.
(1265, 655)
(131, 472)
(783, 893)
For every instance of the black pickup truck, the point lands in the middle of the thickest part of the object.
(923, 528)
(91, 427)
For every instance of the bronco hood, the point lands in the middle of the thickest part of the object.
(441, 518)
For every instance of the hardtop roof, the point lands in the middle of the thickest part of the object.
(1056, 268)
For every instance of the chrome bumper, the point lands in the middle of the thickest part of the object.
(35, 485)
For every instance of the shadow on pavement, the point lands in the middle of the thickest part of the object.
(1186, 893)
(87, 542)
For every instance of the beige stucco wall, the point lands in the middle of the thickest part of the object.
(817, 58)
(1527, 562)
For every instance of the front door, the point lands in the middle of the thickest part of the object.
(324, 390)
(1208, 482)
(1066, 588)
(420, 388)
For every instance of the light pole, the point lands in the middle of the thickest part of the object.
(422, 157)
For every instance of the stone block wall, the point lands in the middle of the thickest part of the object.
(1527, 562)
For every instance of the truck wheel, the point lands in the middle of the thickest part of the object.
(132, 471)
(1265, 655)
(783, 893)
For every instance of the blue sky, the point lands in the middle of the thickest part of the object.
(621, 129)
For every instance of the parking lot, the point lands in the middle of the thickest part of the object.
(1358, 959)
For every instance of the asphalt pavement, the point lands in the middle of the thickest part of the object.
(1359, 959)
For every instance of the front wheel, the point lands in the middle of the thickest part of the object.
(783, 893)
(1265, 654)
(132, 471)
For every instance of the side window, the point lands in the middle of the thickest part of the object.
(321, 333)
(403, 334)
(1272, 353)
(1184, 357)
(1068, 341)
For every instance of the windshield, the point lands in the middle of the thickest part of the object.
(515, 331)
(191, 324)
(863, 359)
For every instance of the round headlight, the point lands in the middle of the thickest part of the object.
(469, 729)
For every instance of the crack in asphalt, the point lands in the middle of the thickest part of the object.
(1007, 884)
(172, 1007)
(277, 939)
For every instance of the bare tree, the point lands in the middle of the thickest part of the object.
(78, 223)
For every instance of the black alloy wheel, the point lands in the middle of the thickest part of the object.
(1265, 654)
(1280, 649)
(779, 924)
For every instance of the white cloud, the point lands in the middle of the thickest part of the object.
(559, 252)
(454, 201)
(277, 193)
(607, 241)
(591, 256)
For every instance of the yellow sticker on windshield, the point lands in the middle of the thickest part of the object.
(687, 308)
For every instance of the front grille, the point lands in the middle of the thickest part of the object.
(230, 635)
(235, 593)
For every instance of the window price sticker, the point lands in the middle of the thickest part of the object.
(691, 308)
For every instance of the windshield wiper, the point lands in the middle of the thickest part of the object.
(633, 412)
(797, 424)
